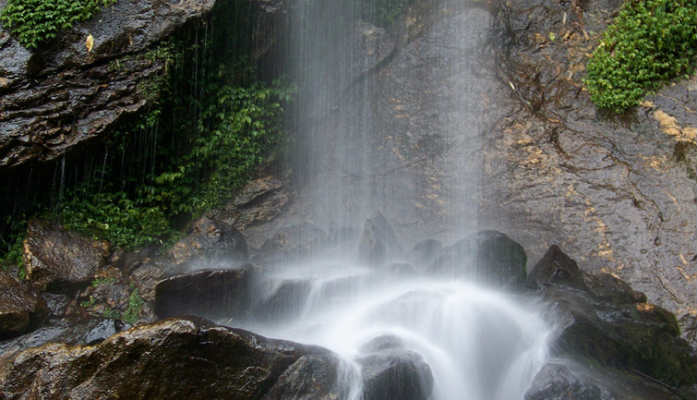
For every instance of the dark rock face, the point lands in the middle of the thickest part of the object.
(616, 330)
(392, 372)
(260, 201)
(570, 381)
(310, 377)
(21, 308)
(55, 258)
(557, 382)
(617, 193)
(103, 330)
(209, 243)
(489, 256)
(174, 358)
(63, 94)
(206, 293)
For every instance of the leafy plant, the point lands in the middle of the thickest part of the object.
(11, 246)
(102, 281)
(88, 303)
(110, 313)
(35, 21)
(134, 309)
(114, 217)
(650, 41)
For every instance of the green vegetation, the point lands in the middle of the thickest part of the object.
(649, 42)
(103, 281)
(210, 121)
(35, 21)
(11, 247)
(135, 307)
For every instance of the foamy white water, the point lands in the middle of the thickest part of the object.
(480, 343)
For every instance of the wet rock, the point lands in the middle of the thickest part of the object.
(378, 241)
(206, 293)
(310, 377)
(616, 192)
(617, 332)
(559, 380)
(260, 201)
(209, 244)
(390, 371)
(500, 260)
(103, 330)
(175, 358)
(21, 308)
(292, 242)
(489, 256)
(556, 268)
(57, 259)
(56, 303)
(62, 81)
(280, 300)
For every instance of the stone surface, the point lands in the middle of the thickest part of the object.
(60, 94)
(175, 358)
(209, 244)
(616, 192)
(206, 293)
(487, 256)
(619, 330)
(56, 258)
(392, 372)
(21, 308)
(569, 381)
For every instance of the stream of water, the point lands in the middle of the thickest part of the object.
(403, 140)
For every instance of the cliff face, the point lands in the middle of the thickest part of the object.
(63, 94)
(481, 115)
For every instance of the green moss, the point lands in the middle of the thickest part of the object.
(35, 21)
(648, 43)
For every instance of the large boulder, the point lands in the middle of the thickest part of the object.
(390, 371)
(206, 293)
(21, 308)
(618, 329)
(56, 258)
(488, 256)
(570, 381)
(171, 359)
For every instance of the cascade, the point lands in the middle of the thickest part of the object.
(359, 153)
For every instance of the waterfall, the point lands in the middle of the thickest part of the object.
(389, 124)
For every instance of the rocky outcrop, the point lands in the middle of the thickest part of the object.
(616, 192)
(209, 243)
(614, 328)
(63, 94)
(176, 358)
(56, 258)
(563, 380)
(487, 256)
(206, 293)
(391, 371)
(21, 308)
